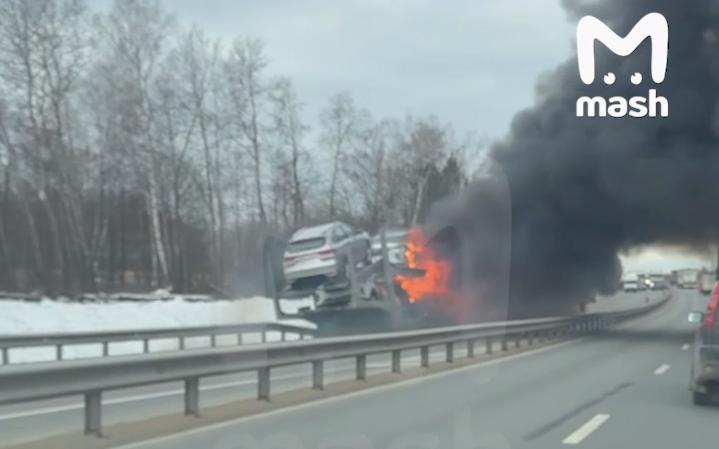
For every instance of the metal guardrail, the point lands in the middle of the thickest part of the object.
(60, 340)
(92, 377)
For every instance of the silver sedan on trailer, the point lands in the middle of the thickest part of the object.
(325, 250)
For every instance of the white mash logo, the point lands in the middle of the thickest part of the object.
(590, 29)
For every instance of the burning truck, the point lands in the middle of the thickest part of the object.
(455, 270)
(457, 264)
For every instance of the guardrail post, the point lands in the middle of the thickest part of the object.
(396, 366)
(488, 345)
(181, 343)
(105, 348)
(317, 375)
(424, 356)
(5, 356)
(58, 352)
(450, 352)
(192, 397)
(264, 337)
(93, 413)
(145, 345)
(504, 343)
(213, 340)
(239, 338)
(361, 367)
(470, 349)
(283, 336)
(530, 338)
(518, 341)
(263, 384)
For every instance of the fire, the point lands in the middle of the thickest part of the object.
(420, 256)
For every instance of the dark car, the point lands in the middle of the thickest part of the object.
(705, 358)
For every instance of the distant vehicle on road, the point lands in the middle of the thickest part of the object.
(658, 282)
(630, 282)
(688, 278)
(643, 282)
(706, 282)
(705, 358)
(324, 251)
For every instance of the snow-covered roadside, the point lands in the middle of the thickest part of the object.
(47, 316)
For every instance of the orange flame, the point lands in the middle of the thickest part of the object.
(420, 256)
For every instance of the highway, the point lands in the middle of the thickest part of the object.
(562, 381)
(628, 387)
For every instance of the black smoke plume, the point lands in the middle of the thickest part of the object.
(584, 189)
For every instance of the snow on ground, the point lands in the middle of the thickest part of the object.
(48, 316)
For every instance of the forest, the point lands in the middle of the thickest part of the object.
(137, 153)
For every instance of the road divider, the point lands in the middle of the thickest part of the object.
(60, 341)
(90, 378)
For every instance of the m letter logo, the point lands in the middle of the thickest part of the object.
(589, 30)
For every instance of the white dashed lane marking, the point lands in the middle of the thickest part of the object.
(583, 432)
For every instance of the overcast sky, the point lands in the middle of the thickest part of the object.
(472, 63)
(664, 260)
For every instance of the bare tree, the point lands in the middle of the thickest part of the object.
(132, 152)
(368, 169)
(290, 132)
(135, 33)
(43, 46)
(195, 64)
(423, 146)
(339, 123)
(244, 68)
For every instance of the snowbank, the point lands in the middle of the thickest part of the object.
(47, 316)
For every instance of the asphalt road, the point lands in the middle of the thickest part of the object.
(31, 421)
(625, 389)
